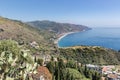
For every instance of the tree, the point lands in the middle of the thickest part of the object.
(40, 62)
(51, 66)
(71, 64)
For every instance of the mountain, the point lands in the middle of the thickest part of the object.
(56, 27)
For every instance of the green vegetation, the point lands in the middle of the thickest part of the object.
(62, 71)
(14, 61)
(25, 34)
(73, 74)
(91, 55)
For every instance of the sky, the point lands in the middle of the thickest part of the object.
(93, 13)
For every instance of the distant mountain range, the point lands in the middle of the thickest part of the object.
(57, 27)
(42, 32)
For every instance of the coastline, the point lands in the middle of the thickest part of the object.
(63, 35)
(60, 36)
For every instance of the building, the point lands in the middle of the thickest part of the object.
(93, 67)
(108, 69)
(113, 77)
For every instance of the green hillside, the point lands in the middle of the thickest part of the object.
(25, 34)
(91, 55)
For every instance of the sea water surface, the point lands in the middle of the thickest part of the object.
(104, 37)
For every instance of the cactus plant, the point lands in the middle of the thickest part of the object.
(15, 63)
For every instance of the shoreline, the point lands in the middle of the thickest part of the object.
(60, 36)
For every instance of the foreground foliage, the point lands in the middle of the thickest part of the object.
(15, 63)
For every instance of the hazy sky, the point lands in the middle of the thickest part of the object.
(87, 12)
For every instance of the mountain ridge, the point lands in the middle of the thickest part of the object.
(57, 27)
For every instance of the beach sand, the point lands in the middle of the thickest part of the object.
(60, 36)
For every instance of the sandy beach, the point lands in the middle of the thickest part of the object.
(62, 36)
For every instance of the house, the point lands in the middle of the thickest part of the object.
(108, 69)
(113, 77)
(93, 67)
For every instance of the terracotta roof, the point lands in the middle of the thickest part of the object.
(104, 69)
(114, 76)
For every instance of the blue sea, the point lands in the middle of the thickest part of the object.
(104, 37)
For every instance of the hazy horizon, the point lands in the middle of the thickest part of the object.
(93, 13)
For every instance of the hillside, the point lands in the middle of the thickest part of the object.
(17, 30)
(23, 33)
(91, 55)
(57, 27)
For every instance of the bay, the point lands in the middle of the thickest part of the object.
(104, 37)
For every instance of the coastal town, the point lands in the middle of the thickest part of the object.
(111, 72)
(108, 72)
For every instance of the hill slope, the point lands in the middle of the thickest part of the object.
(91, 55)
(21, 32)
(57, 27)
(17, 30)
